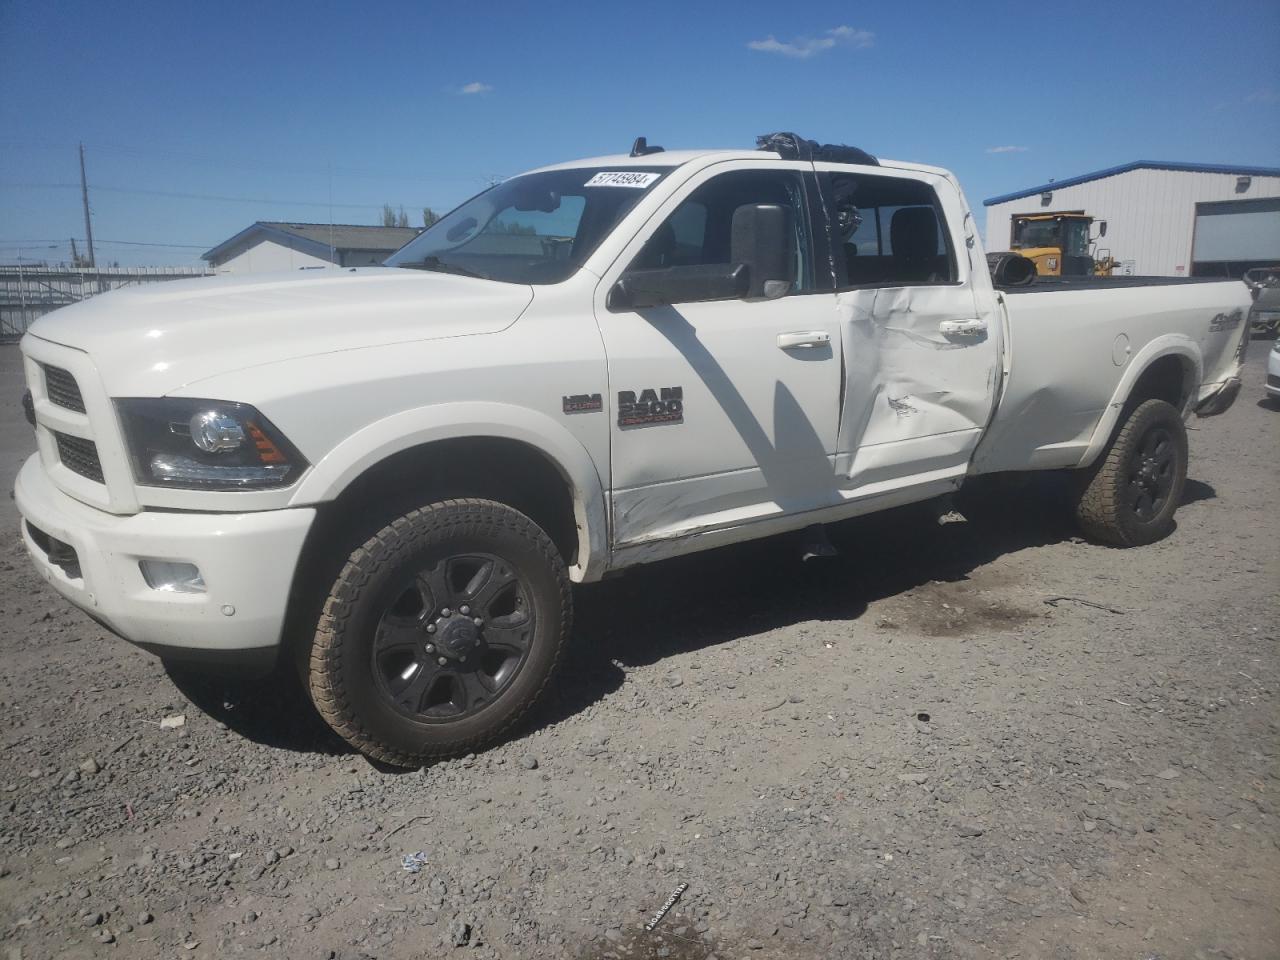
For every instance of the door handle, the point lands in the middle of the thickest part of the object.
(962, 328)
(803, 340)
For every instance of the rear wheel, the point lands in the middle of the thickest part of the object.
(1131, 495)
(440, 632)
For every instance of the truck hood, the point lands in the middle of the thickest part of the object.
(156, 338)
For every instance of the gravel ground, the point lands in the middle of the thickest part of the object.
(912, 751)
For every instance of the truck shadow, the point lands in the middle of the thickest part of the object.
(700, 601)
(703, 600)
(274, 710)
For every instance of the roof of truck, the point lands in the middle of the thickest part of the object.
(676, 158)
(667, 158)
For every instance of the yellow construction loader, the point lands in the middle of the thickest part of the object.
(1060, 244)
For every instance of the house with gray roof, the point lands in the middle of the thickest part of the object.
(270, 245)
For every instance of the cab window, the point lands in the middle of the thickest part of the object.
(888, 232)
(697, 233)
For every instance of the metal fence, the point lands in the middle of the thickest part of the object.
(28, 292)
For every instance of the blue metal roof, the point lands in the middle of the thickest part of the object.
(1137, 165)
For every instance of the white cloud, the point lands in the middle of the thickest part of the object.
(802, 48)
(1266, 96)
(1007, 149)
(476, 87)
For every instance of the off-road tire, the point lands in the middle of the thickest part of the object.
(341, 670)
(1105, 509)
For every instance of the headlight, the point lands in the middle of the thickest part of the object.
(206, 445)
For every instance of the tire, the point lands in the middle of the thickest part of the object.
(405, 683)
(1130, 496)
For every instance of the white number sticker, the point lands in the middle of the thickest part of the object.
(622, 178)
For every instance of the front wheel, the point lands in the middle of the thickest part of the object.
(1132, 493)
(440, 632)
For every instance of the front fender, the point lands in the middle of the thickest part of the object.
(450, 421)
(1171, 344)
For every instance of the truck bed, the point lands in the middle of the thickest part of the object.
(1073, 350)
(1045, 284)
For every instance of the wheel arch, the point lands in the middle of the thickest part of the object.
(501, 442)
(1168, 368)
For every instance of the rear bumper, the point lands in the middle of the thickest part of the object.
(92, 558)
(1220, 400)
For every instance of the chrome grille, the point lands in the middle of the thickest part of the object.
(62, 388)
(79, 456)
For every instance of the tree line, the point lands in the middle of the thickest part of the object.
(393, 217)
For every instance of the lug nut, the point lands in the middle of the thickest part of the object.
(442, 660)
(431, 648)
(464, 610)
(444, 612)
(431, 628)
(478, 622)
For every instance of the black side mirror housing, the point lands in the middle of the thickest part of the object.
(761, 236)
(638, 289)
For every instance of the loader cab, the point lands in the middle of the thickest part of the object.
(1058, 243)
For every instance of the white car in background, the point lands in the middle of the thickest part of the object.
(1264, 317)
(1273, 371)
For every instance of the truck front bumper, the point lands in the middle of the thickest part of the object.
(95, 559)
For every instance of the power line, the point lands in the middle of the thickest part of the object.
(144, 243)
(199, 196)
(129, 243)
(350, 172)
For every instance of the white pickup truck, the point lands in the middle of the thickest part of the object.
(391, 476)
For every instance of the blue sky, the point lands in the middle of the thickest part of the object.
(200, 118)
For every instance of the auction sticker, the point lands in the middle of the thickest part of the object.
(622, 178)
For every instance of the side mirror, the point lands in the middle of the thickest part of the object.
(761, 237)
(1102, 228)
(638, 289)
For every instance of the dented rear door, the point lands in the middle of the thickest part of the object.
(921, 347)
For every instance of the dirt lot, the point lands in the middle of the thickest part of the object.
(912, 751)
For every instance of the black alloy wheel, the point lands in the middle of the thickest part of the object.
(1152, 473)
(1129, 496)
(453, 638)
(441, 632)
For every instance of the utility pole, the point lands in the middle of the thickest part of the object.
(84, 194)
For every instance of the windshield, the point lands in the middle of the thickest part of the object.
(538, 228)
(1035, 233)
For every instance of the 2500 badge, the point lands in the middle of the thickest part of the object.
(651, 407)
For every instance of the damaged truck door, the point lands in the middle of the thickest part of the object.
(922, 363)
(725, 403)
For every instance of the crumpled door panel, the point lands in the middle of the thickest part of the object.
(916, 400)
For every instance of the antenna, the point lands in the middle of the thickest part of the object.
(641, 148)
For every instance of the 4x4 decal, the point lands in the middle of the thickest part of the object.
(1226, 321)
(651, 407)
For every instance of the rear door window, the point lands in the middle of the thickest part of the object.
(888, 232)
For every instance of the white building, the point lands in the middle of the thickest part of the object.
(1163, 219)
(269, 245)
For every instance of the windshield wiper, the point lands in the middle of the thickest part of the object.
(436, 265)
